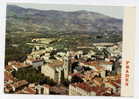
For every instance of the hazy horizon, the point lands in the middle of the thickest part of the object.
(112, 11)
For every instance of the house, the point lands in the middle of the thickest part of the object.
(8, 88)
(27, 90)
(59, 90)
(98, 81)
(105, 92)
(19, 85)
(42, 89)
(89, 75)
(30, 89)
(16, 86)
(114, 85)
(105, 64)
(8, 77)
(84, 89)
(9, 68)
(96, 66)
(17, 65)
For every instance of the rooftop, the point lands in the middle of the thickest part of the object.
(34, 60)
(28, 90)
(113, 83)
(97, 63)
(76, 74)
(18, 64)
(46, 86)
(20, 83)
(9, 67)
(103, 44)
(8, 76)
(56, 63)
(86, 87)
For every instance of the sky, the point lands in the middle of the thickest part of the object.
(112, 11)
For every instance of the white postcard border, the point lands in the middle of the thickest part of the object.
(2, 44)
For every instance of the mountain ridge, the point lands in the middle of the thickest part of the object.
(54, 20)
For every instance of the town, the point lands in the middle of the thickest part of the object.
(86, 71)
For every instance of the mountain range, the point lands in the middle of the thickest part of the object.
(44, 21)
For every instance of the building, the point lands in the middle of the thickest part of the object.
(81, 89)
(46, 57)
(114, 86)
(103, 64)
(103, 44)
(26, 90)
(30, 89)
(84, 89)
(96, 66)
(56, 70)
(42, 89)
(36, 63)
(16, 86)
(8, 77)
(9, 68)
(17, 65)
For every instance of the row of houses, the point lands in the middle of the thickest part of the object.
(83, 89)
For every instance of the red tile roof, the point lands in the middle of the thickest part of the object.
(114, 84)
(34, 60)
(8, 76)
(56, 63)
(9, 67)
(96, 63)
(28, 90)
(20, 83)
(46, 86)
(18, 64)
(76, 74)
(86, 87)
